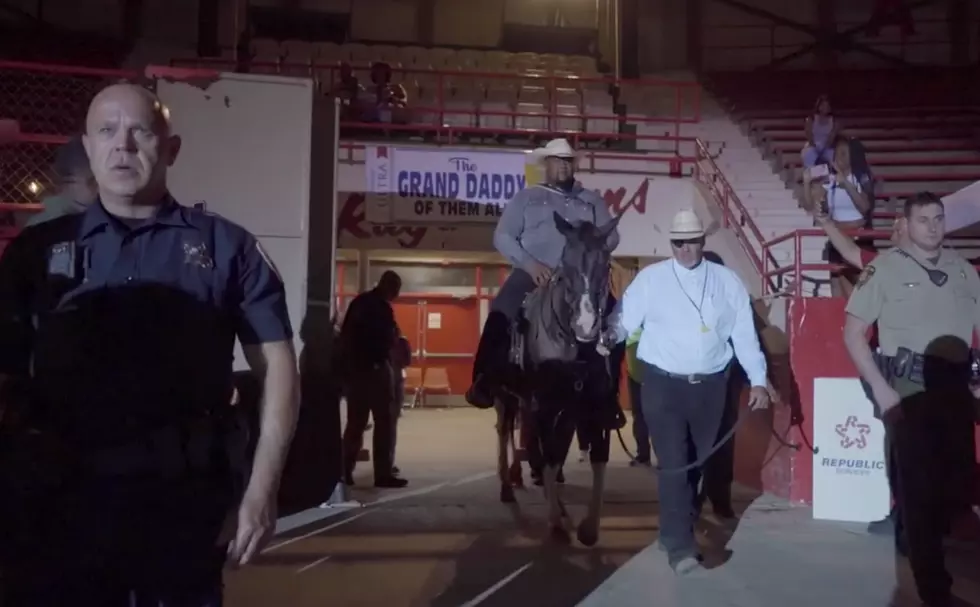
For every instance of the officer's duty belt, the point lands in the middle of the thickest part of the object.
(172, 452)
(914, 367)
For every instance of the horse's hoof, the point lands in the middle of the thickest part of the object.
(507, 494)
(559, 534)
(588, 532)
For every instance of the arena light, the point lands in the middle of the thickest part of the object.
(34, 187)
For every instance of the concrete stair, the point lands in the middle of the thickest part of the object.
(764, 194)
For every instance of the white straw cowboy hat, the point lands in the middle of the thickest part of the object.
(686, 226)
(556, 148)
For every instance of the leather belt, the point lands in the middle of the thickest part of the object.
(691, 378)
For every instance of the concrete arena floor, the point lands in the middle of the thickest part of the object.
(446, 541)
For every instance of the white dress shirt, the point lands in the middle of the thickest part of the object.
(664, 299)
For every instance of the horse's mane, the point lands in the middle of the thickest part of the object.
(548, 337)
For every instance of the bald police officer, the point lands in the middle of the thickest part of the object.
(924, 299)
(124, 320)
(527, 236)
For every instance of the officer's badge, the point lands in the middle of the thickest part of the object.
(61, 260)
(196, 254)
(865, 276)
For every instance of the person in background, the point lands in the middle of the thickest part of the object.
(843, 197)
(850, 251)
(401, 359)
(349, 91)
(367, 337)
(75, 182)
(821, 129)
(641, 433)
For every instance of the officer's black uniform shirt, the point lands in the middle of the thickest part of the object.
(129, 326)
(369, 329)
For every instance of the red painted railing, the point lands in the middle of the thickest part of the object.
(734, 214)
(441, 87)
(49, 102)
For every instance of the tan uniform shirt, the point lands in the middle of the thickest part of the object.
(913, 312)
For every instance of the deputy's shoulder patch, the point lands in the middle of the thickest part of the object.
(866, 275)
(268, 260)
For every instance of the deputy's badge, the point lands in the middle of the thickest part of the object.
(61, 260)
(196, 254)
(865, 276)
(267, 260)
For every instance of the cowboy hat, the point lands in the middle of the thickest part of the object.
(556, 148)
(686, 226)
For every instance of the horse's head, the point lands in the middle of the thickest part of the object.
(584, 274)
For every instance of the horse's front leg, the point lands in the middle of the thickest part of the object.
(503, 438)
(588, 529)
(516, 473)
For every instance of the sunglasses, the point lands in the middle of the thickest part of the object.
(676, 243)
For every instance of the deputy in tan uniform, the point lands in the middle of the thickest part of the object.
(924, 299)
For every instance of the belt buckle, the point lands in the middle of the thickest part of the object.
(693, 379)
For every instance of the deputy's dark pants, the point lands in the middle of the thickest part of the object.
(369, 394)
(109, 543)
(933, 451)
(683, 419)
(640, 432)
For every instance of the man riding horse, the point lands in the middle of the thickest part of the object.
(560, 237)
(527, 236)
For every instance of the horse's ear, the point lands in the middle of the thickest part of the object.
(563, 226)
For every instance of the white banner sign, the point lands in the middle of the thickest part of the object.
(850, 482)
(415, 185)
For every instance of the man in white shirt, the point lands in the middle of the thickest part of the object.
(689, 309)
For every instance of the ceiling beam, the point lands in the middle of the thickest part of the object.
(840, 41)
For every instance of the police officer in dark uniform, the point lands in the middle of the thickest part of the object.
(121, 323)
(924, 299)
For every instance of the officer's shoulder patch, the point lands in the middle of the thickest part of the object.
(268, 260)
(866, 275)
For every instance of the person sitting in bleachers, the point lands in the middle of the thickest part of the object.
(388, 100)
(349, 91)
(843, 194)
(822, 129)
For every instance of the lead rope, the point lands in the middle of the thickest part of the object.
(721, 442)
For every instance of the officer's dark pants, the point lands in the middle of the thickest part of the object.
(369, 394)
(640, 432)
(934, 476)
(109, 543)
(396, 410)
(683, 419)
(495, 340)
(719, 470)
